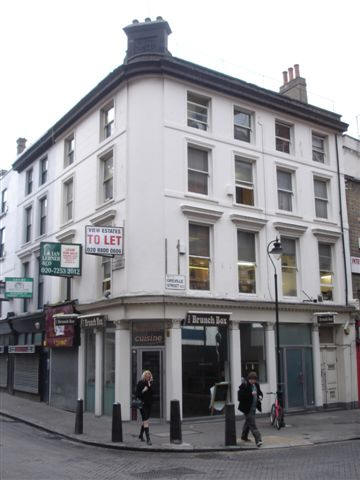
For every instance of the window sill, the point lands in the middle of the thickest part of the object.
(285, 213)
(66, 224)
(105, 204)
(198, 196)
(251, 208)
(325, 221)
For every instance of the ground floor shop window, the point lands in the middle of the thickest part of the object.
(253, 358)
(205, 362)
(109, 371)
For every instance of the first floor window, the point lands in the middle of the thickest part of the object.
(246, 262)
(28, 225)
(253, 355)
(68, 200)
(107, 176)
(288, 267)
(2, 242)
(106, 274)
(26, 272)
(326, 273)
(285, 190)
(43, 215)
(244, 183)
(198, 170)
(199, 257)
(40, 296)
(321, 198)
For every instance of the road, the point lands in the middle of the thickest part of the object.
(28, 453)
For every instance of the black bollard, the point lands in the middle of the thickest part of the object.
(230, 427)
(116, 431)
(79, 417)
(175, 422)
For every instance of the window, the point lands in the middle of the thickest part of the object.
(197, 111)
(43, 215)
(4, 201)
(107, 120)
(40, 292)
(244, 185)
(199, 257)
(43, 170)
(106, 273)
(318, 148)
(288, 267)
(321, 198)
(282, 137)
(29, 181)
(198, 171)
(253, 354)
(242, 125)
(69, 150)
(68, 200)
(107, 176)
(26, 271)
(2, 242)
(285, 190)
(326, 274)
(28, 220)
(246, 262)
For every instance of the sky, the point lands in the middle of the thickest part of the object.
(54, 52)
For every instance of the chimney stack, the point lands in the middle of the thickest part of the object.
(147, 38)
(21, 145)
(296, 86)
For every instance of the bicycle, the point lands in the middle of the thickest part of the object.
(276, 413)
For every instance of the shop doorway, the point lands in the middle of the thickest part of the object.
(329, 375)
(150, 359)
(90, 370)
(298, 376)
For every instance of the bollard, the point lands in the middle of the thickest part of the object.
(230, 427)
(175, 422)
(116, 431)
(79, 417)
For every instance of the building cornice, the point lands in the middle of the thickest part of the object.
(186, 71)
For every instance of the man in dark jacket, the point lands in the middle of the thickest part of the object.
(250, 396)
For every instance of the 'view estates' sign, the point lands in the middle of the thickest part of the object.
(104, 241)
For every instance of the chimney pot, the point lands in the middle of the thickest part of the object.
(159, 19)
(135, 21)
(21, 145)
(297, 70)
(291, 73)
(147, 19)
(285, 76)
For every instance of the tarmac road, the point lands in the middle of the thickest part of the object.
(30, 454)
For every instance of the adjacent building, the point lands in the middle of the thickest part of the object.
(203, 172)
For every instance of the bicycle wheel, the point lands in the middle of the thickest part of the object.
(272, 414)
(279, 421)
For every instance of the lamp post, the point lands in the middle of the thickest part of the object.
(276, 250)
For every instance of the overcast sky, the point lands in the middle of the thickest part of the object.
(54, 52)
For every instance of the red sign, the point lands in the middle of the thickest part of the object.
(59, 335)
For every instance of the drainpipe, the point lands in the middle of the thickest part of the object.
(341, 221)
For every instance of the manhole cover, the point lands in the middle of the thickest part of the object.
(175, 472)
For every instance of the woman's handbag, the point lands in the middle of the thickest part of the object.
(137, 403)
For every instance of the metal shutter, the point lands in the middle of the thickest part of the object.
(26, 373)
(3, 371)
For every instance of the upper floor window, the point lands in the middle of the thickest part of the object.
(326, 273)
(285, 190)
(107, 120)
(321, 198)
(106, 162)
(198, 171)
(26, 273)
(242, 125)
(40, 289)
(282, 137)
(28, 224)
(68, 199)
(197, 111)
(2, 242)
(4, 201)
(199, 257)
(246, 262)
(69, 150)
(318, 148)
(288, 267)
(43, 170)
(244, 183)
(29, 181)
(43, 215)
(106, 273)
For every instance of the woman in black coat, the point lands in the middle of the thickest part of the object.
(250, 396)
(145, 394)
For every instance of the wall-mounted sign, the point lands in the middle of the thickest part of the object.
(207, 319)
(355, 264)
(60, 259)
(59, 336)
(93, 321)
(21, 348)
(18, 287)
(148, 333)
(175, 282)
(325, 319)
(104, 240)
(61, 322)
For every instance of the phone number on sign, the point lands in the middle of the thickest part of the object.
(59, 271)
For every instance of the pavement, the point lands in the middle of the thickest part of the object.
(208, 434)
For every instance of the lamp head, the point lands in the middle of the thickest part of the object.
(277, 249)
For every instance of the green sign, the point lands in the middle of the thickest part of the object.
(60, 259)
(18, 287)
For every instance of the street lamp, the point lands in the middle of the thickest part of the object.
(276, 250)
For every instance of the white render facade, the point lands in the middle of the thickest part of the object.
(152, 196)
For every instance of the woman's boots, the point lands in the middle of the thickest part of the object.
(148, 441)
(141, 436)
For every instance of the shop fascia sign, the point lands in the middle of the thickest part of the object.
(21, 349)
(62, 319)
(325, 318)
(60, 259)
(355, 264)
(207, 319)
(95, 320)
(18, 287)
(104, 241)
